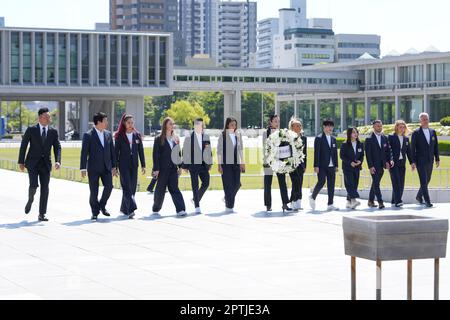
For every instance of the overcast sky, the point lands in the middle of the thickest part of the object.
(402, 24)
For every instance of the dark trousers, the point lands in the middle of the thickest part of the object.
(128, 181)
(231, 180)
(106, 178)
(351, 181)
(398, 173)
(375, 190)
(268, 189)
(40, 174)
(151, 186)
(197, 172)
(297, 183)
(168, 178)
(425, 174)
(327, 175)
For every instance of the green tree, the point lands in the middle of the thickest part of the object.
(251, 108)
(18, 116)
(212, 103)
(184, 113)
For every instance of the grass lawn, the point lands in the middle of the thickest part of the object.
(71, 156)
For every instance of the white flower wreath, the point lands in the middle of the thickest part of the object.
(272, 151)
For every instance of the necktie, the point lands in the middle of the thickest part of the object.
(44, 134)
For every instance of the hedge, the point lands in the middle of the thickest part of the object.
(445, 121)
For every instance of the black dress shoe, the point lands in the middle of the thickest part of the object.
(419, 200)
(94, 217)
(286, 208)
(105, 212)
(428, 205)
(42, 218)
(269, 209)
(371, 204)
(381, 205)
(131, 215)
(28, 207)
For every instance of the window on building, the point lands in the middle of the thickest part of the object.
(39, 59)
(151, 61)
(51, 57)
(62, 55)
(85, 58)
(73, 59)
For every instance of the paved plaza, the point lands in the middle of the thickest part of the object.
(247, 255)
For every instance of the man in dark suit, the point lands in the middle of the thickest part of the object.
(379, 157)
(325, 164)
(98, 160)
(41, 139)
(424, 151)
(197, 159)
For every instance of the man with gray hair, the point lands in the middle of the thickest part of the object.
(424, 151)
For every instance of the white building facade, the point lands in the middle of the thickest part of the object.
(301, 47)
(352, 46)
(266, 31)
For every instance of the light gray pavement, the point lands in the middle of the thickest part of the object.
(247, 255)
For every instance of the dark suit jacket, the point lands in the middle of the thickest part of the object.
(348, 155)
(193, 155)
(164, 157)
(421, 151)
(377, 157)
(128, 155)
(394, 142)
(323, 153)
(95, 157)
(305, 151)
(39, 150)
(225, 145)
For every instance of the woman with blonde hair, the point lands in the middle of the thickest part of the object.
(401, 150)
(296, 126)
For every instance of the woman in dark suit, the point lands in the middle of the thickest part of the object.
(274, 125)
(231, 162)
(401, 150)
(167, 168)
(129, 150)
(297, 176)
(352, 156)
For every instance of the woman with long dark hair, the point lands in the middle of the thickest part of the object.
(231, 161)
(274, 125)
(167, 168)
(296, 126)
(129, 150)
(352, 156)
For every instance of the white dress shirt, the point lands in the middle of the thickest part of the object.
(329, 144)
(402, 139)
(427, 134)
(199, 140)
(354, 144)
(130, 137)
(101, 136)
(171, 142)
(379, 139)
(42, 128)
(233, 139)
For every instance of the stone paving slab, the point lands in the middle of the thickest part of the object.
(247, 255)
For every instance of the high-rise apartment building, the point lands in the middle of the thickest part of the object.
(148, 15)
(237, 33)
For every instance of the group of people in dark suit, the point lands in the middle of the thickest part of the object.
(104, 156)
(382, 153)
